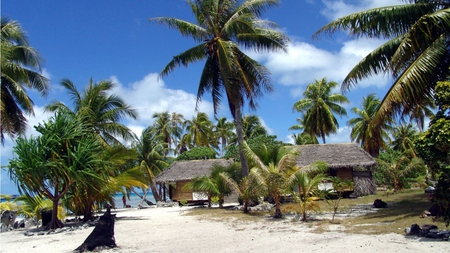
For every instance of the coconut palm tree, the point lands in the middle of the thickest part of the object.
(248, 187)
(221, 27)
(101, 110)
(319, 106)
(200, 129)
(151, 155)
(371, 136)
(169, 127)
(275, 164)
(223, 131)
(303, 138)
(416, 52)
(252, 127)
(20, 67)
(398, 169)
(404, 136)
(307, 195)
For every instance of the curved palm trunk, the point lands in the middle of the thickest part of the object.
(142, 197)
(240, 134)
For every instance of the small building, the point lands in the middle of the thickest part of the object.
(346, 161)
(181, 172)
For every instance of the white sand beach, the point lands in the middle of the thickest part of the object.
(170, 230)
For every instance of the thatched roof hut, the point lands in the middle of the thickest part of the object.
(186, 170)
(181, 172)
(337, 156)
(346, 161)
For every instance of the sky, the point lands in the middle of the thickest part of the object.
(101, 40)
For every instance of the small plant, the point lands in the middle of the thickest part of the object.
(334, 198)
(183, 202)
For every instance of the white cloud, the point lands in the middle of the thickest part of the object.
(341, 136)
(337, 9)
(150, 95)
(304, 63)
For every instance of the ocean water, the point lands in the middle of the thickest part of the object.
(133, 201)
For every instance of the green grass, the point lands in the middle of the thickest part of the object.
(404, 209)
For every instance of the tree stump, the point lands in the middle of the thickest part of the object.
(102, 235)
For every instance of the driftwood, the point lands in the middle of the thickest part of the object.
(102, 235)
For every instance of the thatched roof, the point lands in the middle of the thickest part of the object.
(186, 170)
(337, 156)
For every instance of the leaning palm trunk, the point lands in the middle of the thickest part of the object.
(142, 197)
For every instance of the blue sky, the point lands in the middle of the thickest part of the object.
(101, 39)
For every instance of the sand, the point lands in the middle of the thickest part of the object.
(170, 230)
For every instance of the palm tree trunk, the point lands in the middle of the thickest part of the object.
(240, 133)
(142, 197)
(54, 222)
(277, 207)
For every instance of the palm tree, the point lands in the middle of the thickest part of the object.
(223, 131)
(249, 187)
(20, 67)
(151, 157)
(304, 137)
(275, 164)
(200, 129)
(169, 127)
(398, 169)
(221, 27)
(99, 109)
(307, 195)
(404, 136)
(251, 128)
(416, 53)
(372, 137)
(319, 106)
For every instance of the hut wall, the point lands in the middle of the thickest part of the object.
(364, 183)
(345, 174)
(179, 194)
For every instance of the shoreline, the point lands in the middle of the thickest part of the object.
(168, 229)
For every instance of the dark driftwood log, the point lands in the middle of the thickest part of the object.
(102, 235)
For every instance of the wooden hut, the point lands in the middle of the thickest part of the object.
(346, 161)
(181, 172)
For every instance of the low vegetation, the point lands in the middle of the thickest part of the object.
(404, 209)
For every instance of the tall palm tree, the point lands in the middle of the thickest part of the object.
(100, 109)
(223, 131)
(303, 138)
(151, 155)
(404, 136)
(319, 106)
(416, 53)
(365, 131)
(20, 67)
(252, 127)
(200, 129)
(221, 27)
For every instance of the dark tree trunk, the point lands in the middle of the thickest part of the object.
(54, 222)
(102, 235)
(278, 213)
(240, 134)
(88, 212)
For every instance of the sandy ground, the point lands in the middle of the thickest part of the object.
(169, 230)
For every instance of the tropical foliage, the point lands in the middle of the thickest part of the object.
(371, 137)
(220, 28)
(20, 67)
(415, 54)
(434, 146)
(63, 156)
(318, 108)
(101, 110)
